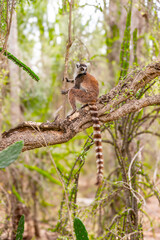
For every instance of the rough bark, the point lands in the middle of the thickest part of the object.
(36, 135)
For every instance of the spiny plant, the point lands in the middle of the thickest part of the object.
(20, 64)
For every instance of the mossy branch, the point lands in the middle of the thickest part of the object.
(20, 64)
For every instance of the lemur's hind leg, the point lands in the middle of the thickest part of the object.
(72, 99)
(80, 95)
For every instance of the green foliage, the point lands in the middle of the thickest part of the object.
(43, 173)
(110, 40)
(4, 13)
(80, 230)
(20, 229)
(156, 45)
(20, 64)
(10, 154)
(135, 46)
(125, 46)
(19, 198)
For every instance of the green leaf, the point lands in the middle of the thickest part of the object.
(20, 229)
(80, 230)
(44, 173)
(20, 64)
(17, 194)
(10, 154)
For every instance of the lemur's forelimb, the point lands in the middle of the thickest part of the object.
(64, 92)
(69, 80)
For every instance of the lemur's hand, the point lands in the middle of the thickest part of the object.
(64, 92)
(69, 80)
(65, 79)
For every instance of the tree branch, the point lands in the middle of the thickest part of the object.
(147, 132)
(36, 135)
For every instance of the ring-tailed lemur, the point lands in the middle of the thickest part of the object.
(86, 90)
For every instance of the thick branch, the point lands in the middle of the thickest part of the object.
(36, 135)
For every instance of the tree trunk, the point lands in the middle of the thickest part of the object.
(14, 74)
(3, 72)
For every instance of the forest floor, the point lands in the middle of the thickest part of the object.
(152, 229)
(151, 222)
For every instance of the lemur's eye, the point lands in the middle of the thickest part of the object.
(82, 69)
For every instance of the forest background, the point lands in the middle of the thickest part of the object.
(51, 185)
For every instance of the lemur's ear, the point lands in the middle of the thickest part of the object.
(87, 64)
(78, 65)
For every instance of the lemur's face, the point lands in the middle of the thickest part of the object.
(81, 68)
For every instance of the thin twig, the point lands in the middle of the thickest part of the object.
(9, 22)
(146, 132)
(156, 168)
(66, 194)
(130, 166)
(63, 184)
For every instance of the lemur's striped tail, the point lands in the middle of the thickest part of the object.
(98, 142)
